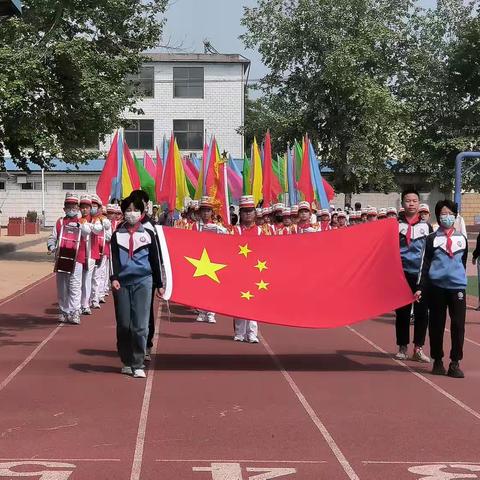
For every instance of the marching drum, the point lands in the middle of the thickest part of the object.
(67, 248)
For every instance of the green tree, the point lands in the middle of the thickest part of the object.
(332, 65)
(62, 73)
(439, 85)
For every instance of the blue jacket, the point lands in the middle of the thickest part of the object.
(411, 254)
(441, 270)
(144, 262)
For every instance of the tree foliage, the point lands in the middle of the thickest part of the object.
(383, 86)
(62, 73)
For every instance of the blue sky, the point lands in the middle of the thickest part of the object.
(189, 22)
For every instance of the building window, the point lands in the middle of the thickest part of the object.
(189, 134)
(32, 186)
(2, 185)
(139, 134)
(143, 82)
(74, 186)
(188, 82)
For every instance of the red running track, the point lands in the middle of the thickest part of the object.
(301, 405)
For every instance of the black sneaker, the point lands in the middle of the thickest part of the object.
(438, 368)
(454, 370)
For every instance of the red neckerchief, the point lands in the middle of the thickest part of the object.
(448, 233)
(410, 223)
(243, 228)
(305, 225)
(325, 225)
(131, 231)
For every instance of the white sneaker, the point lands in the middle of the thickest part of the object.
(419, 355)
(102, 300)
(126, 370)
(201, 317)
(139, 373)
(253, 339)
(95, 305)
(402, 353)
(238, 338)
(148, 356)
(107, 294)
(75, 318)
(63, 317)
(211, 317)
(86, 311)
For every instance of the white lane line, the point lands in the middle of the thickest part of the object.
(466, 339)
(381, 462)
(421, 377)
(313, 416)
(22, 292)
(142, 425)
(29, 358)
(242, 461)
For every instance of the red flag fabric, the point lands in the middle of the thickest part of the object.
(326, 277)
(132, 171)
(109, 172)
(330, 192)
(271, 186)
(168, 193)
(149, 164)
(305, 184)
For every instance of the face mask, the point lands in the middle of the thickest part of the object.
(94, 210)
(132, 217)
(447, 221)
(71, 213)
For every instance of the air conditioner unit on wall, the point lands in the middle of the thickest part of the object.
(21, 179)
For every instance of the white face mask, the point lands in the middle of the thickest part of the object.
(132, 217)
(94, 210)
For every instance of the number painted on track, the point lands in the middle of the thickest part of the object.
(439, 472)
(44, 472)
(233, 471)
(270, 473)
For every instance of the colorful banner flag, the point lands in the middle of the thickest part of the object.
(257, 180)
(270, 185)
(305, 185)
(147, 183)
(106, 184)
(247, 178)
(245, 277)
(149, 164)
(130, 178)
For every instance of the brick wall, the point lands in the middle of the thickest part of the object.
(221, 109)
(471, 208)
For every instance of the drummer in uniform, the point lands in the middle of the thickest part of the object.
(69, 284)
(289, 227)
(277, 224)
(325, 220)
(342, 220)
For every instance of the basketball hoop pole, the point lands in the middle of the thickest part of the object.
(458, 175)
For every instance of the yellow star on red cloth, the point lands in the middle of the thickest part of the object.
(205, 267)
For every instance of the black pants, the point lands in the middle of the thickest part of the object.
(439, 299)
(151, 322)
(402, 322)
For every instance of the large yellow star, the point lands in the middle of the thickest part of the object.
(262, 285)
(204, 266)
(244, 250)
(261, 265)
(246, 295)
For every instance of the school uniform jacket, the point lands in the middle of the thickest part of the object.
(411, 254)
(145, 260)
(439, 268)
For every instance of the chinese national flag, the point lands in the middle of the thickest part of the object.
(316, 280)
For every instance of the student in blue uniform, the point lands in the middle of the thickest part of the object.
(135, 276)
(444, 271)
(413, 235)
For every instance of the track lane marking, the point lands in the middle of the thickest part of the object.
(35, 459)
(243, 461)
(421, 377)
(142, 425)
(387, 462)
(347, 468)
(32, 355)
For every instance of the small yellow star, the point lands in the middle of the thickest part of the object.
(204, 266)
(262, 285)
(261, 265)
(247, 295)
(244, 250)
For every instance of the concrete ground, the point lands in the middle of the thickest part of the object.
(24, 266)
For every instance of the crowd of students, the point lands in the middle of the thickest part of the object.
(119, 248)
